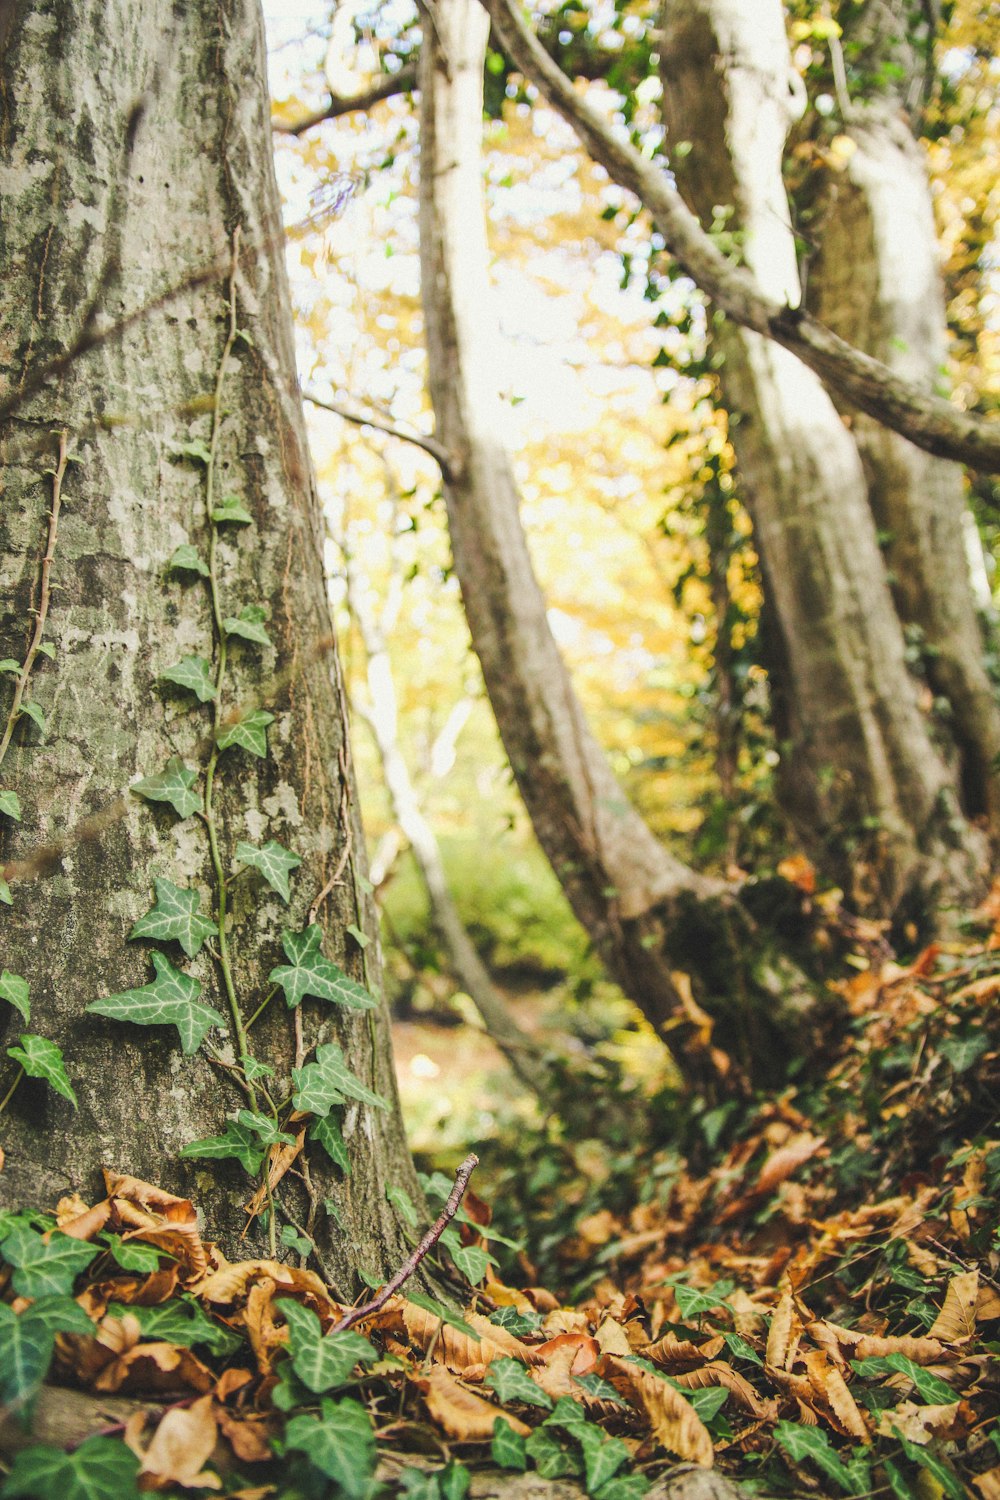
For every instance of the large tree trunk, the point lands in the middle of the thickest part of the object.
(134, 143)
(876, 281)
(865, 784)
(647, 914)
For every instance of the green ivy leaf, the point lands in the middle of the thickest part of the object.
(812, 1442)
(248, 625)
(402, 1203)
(602, 1457)
(15, 990)
(196, 449)
(471, 1261)
(945, 1476)
(248, 734)
(340, 1443)
(45, 1269)
(5, 895)
(322, 1362)
(193, 673)
(623, 1487)
(169, 1000)
(439, 1310)
(10, 665)
(255, 1070)
(175, 915)
(264, 1128)
(273, 862)
(173, 785)
(517, 1323)
(309, 973)
(10, 804)
(41, 1058)
(511, 1381)
(738, 1345)
(931, 1387)
(181, 1321)
(551, 1459)
(132, 1255)
(34, 713)
(26, 1348)
(230, 511)
(963, 1051)
(507, 1447)
(326, 1132)
(46, 648)
(361, 938)
(300, 1243)
(186, 559)
(100, 1469)
(61, 1315)
(236, 1141)
(329, 1081)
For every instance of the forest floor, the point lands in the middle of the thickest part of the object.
(800, 1293)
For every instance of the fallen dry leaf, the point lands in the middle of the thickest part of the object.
(673, 1421)
(179, 1450)
(464, 1416)
(163, 1368)
(280, 1158)
(784, 1334)
(672, 1353)
(831, 1388)
(453, 1347)
(988, 1484)
(719, 1374)
(922, 1423)
(956, 1321)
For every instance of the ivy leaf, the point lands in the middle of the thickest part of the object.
(197, 449)
(812, 1442)
(963, 1051)
(507, 1446)
(173, 785)
(186, 559)
(230, 511)
(300, 1243)
(309, 973)
(132, 1255)
(326, 1132)
(60, 1315)
(169, 1000)
(624, 1487)
(328, 1081)
(41, 1058)
(34, 713)
(255, 1070)
(273, 862)
(175, 916)
(264, 1128)
(930, 1386)
(181, 1321)
(521, 1323)
(340, 1443)
(10, 665)
(361, 938)
(439, 1310)
(237, 1141)
(15, 989)
(603, 1390)
(45, 1269)
(512, 1382)
(46, 648)
(322, 1362)
(248, 625)
(602, 1456)
(193, 673)
(10, 803)
(5, 895)
(402, 1203)
(946, 1477)
(100, 1469)
(551, 1460)
(471, 1260)
(26, 1348)
(248, 734)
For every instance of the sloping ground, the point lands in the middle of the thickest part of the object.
(806, 1302)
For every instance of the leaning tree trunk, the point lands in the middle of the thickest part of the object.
(867, 788)
(647, 914)
(135, 153)
(876, 281)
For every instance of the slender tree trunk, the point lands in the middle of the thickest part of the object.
(134, 143)
(865, 784)
(379, 713)
(647, 913)
(876, 281)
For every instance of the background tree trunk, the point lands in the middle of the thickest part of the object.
(868, 790)
(134, 142)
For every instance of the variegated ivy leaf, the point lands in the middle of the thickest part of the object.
(249, 625)
(322, 1361)
(273, 862)
(329, 1081)
(193, 673)
(14, 989)
(249, 734)
(34, 713)
(41, 1058)
(171, 999)
(45, 1268)
(175, 917)
(100, 1469)
(231, 511)
(173, 785)
(326, 1132)
(339, 1443)
(309, 973)
(264, 1128)
(10, 803)
(186, 559)
(237, 1141)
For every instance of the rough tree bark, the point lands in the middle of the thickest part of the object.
(133, 144)
(876, 281)
(865, 784)
(647, 913)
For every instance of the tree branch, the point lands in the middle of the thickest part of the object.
(927, 420)
(430, 445)
(403, 82)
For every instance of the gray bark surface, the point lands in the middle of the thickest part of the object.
(108, 206)
(862, 777)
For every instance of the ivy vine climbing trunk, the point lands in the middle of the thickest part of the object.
(191, 651)
(648, 915)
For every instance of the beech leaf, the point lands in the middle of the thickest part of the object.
(173, 784)
(309, 973)
(41, 1058)
(171, 999)
(193, 673)
(272, 861)
(175, 916)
